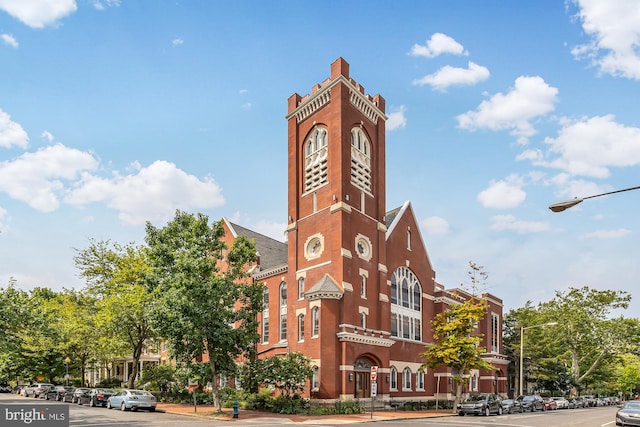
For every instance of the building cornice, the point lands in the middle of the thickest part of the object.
(310, 104)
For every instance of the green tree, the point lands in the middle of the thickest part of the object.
(455, 344)
(200, 287)
(628, 375)
(288, 374)
(116, 276)
(75, 314)
(160, 377)
(16, 315)
(586, 335)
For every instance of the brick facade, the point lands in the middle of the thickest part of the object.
(349, 255)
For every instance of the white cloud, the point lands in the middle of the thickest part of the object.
(37, 178)
(438, 44)
(38, 13)
(100, 5)
(614, 28)
(607, 234)
(9, 40)
(151, 194)
(11, 133)
(177, 42)
(503, 194)
(397, 119)
(454, 76)
(435, 225)
(3, 213)
(590, 147)
(46, 135)
(508, 222)
(531, 97)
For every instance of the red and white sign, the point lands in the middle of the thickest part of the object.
(374, 373)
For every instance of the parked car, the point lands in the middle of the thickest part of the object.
(561, 402)
(68, 395)
(133, 400)
(550, 404)
(629, 414)
(532, 403)
(96, 396)
(511, 406)
(481, 404)
(5, 388)
(580, 402)
(55, 393)
(80, 391)
(35, 389)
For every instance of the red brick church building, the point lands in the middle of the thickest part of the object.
(353, 287)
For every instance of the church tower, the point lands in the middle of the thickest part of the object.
(336, 231)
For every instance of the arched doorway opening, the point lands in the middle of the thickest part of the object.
(362, 373)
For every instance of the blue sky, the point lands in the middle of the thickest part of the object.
(115, 112)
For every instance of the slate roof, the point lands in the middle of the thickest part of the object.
(272, 252)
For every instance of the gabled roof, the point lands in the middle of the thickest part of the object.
(324, 288)
(272, 253)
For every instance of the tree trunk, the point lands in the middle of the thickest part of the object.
(217, 405)
(137, 352)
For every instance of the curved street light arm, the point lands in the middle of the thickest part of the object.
(566, 204)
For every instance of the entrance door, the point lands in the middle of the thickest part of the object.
(363, 384)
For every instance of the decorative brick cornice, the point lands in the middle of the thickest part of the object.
(364, 339)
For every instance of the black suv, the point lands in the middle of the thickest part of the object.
(481, 404)
(532, 403)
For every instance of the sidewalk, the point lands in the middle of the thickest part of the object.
(206, 411)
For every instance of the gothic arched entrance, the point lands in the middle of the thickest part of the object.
(362, 372)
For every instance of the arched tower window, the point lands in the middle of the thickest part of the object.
(406, 305)
(283, 311)
(315, 159)
(360, 160)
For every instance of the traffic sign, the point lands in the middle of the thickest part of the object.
(374, 373)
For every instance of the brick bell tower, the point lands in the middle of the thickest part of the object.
(336, 233)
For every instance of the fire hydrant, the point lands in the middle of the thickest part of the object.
(235, 409)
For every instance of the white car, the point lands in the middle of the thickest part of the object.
(133, 400)
(561, 402)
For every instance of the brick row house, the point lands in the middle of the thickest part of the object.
(353, 287)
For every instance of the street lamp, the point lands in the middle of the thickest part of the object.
(566, 204)
(522, 329)
(66, 363)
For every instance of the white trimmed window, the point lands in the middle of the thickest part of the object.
(301, 328)
(315, 159)
(495, 333)
(265, 316)
(406, 379)
(406, 305)
(393, 374)
(360, 160)
(283, 311)
(315, 321)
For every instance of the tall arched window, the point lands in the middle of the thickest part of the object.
(301, 327)
(301, 288)
(283, 311)
(406, 379)
(315, 159)
(315, 380)
(360, 159)
(265, 316)
(406, 305)
(315, 321)
(393, 378)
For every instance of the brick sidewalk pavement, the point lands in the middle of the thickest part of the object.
(206, 411)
